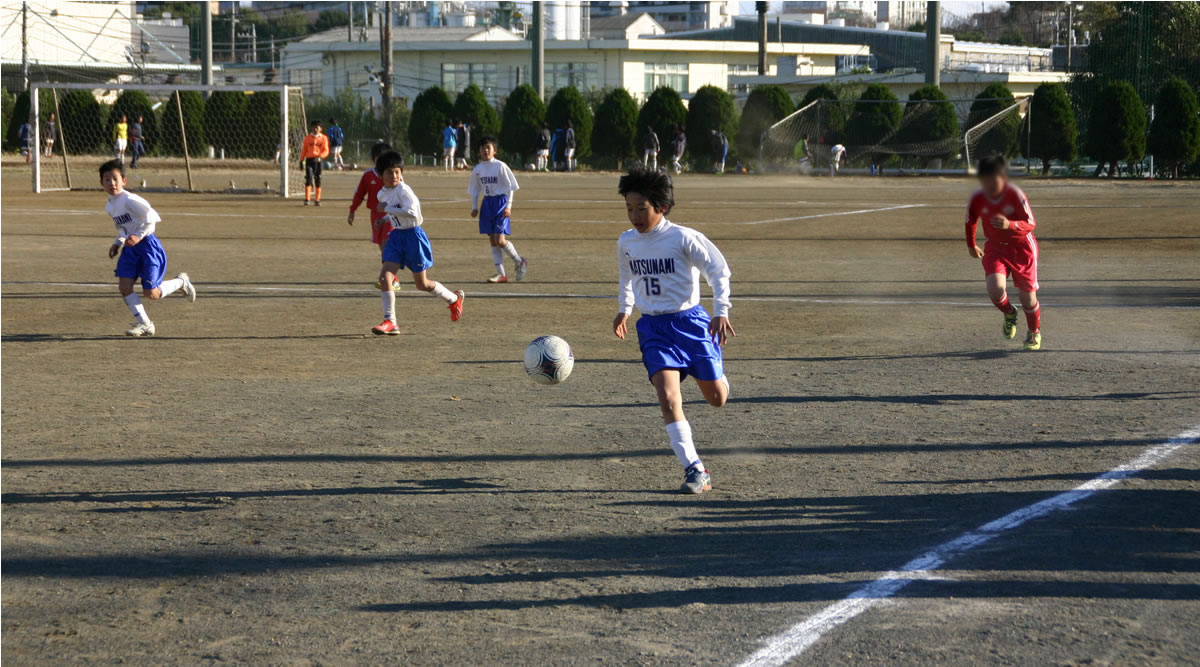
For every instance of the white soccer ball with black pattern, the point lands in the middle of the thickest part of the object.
(549, 360)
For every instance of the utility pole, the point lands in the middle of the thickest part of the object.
(386, 27)
(761, 8)
(933, 47)
(1070, 32)
(254, 42)
(233, 33)
(350, 22)
(538, 75)
(25, 46)
(206, 38)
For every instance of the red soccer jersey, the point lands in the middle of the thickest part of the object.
(1012, 204)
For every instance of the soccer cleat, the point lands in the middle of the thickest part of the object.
(306, 202)
(498, 278)
(396, 286)
(140, 329)
(521, 269)
(1010, 324)
(457, 307)
(697, 481)
(189, 290)
(386, 328)
(317, 203)
(1033, 341)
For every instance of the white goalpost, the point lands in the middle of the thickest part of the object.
(975, 136)
(242, 139)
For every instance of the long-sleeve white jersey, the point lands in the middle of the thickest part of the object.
(403, 207)
(490, 178)
(661, 269)
(132, 215)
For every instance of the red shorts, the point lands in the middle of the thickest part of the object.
(1018, 259)
(379, 233)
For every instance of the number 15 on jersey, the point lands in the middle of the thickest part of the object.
(653, 288)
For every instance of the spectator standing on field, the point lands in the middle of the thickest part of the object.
(50, 135)
(836, 155)
(137, 146)
(558, 149)
(121, 138)
(569, 146)
(464, 143)
(449, 144)
(336, 139)
(650, 148)
(720, 149)
(543, 148)
(678, 146)
(24, 134)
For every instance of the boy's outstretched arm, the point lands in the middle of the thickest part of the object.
(972, 247)
(624, 295)
(705, 255)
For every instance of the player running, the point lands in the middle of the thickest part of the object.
(314, 149)
(1011, 248)
(660, 267)
(368, 189)
(337, 139)
(142, 255)
(496, 182)
(407, 245)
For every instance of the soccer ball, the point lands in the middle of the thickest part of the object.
(549, 360)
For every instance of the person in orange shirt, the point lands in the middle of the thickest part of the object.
(314, 150)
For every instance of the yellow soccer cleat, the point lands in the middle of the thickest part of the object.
(1010, 325)
(1033, 341)
(396, 286)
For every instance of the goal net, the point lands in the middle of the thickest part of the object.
(916, 136)
(186, 138)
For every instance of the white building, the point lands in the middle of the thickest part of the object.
(900, 14)
(674, 16)
(497, 61)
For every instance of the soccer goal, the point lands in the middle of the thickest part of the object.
(996, 133)
(183, 138)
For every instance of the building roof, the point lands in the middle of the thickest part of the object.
(616, 22)
(401, 35)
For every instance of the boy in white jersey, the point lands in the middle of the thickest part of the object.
(142, 255)
(407, 244)
(660, 268)
(496, 182)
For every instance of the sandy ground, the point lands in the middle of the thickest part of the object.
(266, 482)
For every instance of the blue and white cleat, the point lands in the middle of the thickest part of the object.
(521, 269)
(697, 481)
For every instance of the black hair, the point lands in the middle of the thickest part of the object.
(489, 139)
(378, 149)
(390, 159)
(992, 164)
(333, 121)
(569, 124)
(653, 184)
(112, 165)
(315, 123)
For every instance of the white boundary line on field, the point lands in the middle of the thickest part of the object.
(829, 215)
(367, 289)
(795, 640)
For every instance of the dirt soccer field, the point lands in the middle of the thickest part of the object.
(266, 482)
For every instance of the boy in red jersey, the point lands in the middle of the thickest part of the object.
(368, 189)
(1011, 249)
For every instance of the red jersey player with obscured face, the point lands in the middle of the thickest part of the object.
(368, 190)
(1011, 249)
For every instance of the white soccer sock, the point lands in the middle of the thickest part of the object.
(169, 287)
(498, 259)
(440, 290)
(389, 304)
(680, 434)
(135, 306)
(511, 250)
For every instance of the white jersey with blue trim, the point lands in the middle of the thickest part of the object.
(661, 269)
(403, 207)
(132, 215)
(490, 178)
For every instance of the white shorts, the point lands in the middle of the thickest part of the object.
(570, 152)
(448, 151)
(543, 152)
(121, 144)
(337, 150)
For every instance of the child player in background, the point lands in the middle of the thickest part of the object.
(496, 182)
(1011, 248)
(407, 245)
(336, 138)
(142, 256)
(314, 149)
(660, 266)
(368, 189)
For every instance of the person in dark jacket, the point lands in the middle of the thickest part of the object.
(569, 146)
(650, 147)
(678, 146)
(720, 149)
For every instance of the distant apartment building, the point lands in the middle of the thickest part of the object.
(900, 14)
(674, 16)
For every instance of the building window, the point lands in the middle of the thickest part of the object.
(457, 76)
(561, 75)
(741, 70)
(309, 81)
(674, 76)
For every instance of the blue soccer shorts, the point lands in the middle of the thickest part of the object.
(680, 341)
(409, 248)
(491, 216)
(146, 260)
